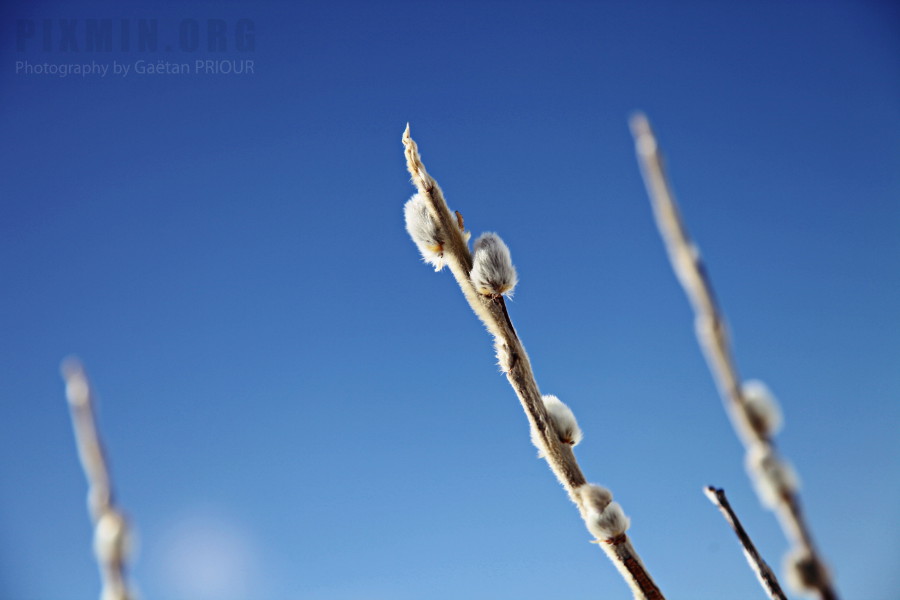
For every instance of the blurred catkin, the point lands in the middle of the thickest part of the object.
(112, 535)
(752, 409)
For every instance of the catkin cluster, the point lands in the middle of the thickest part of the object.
(603, 517)
(492, 274)
(776, 482)
(773, 476)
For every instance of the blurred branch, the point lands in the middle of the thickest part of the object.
(754, 422)
(111, 531)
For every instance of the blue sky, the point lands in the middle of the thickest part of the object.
(296, 407)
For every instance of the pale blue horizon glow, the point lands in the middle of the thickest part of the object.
(296, 406)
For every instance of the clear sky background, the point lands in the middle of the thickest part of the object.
(296, 407)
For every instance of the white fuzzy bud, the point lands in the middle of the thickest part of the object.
(593, 496)
(78, 390)
(761, 407)
(424, 231)
(112, 542)
(604, 518)
(803, 573)
(493, 273)
(686, 262)
(563, 422)
(773, 477)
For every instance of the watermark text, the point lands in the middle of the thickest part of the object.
(134, 35)
(135, 68)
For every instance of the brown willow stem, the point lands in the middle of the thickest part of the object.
(515, 364)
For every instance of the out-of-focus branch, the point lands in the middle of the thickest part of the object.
(111, 530)
(753, 419)
(764, 574)
(602, 516)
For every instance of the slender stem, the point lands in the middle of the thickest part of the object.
(110, 526)
(765, 575)
(515, 364)
(713, 337)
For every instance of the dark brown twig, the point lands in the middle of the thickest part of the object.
(764, 574)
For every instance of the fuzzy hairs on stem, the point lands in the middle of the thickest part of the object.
(563, 421)
(493, 273)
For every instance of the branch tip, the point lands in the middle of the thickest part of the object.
(644, 139)
(70, 367)
(713, 493)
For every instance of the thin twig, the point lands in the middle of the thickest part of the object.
(515, 364)
(765, 575)
(713, 338)
(111, 531)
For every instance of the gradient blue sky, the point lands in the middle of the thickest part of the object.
(297, 408)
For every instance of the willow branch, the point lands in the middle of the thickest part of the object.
(764, 574)
(515, 364)
(712, 335)
(111, 530)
